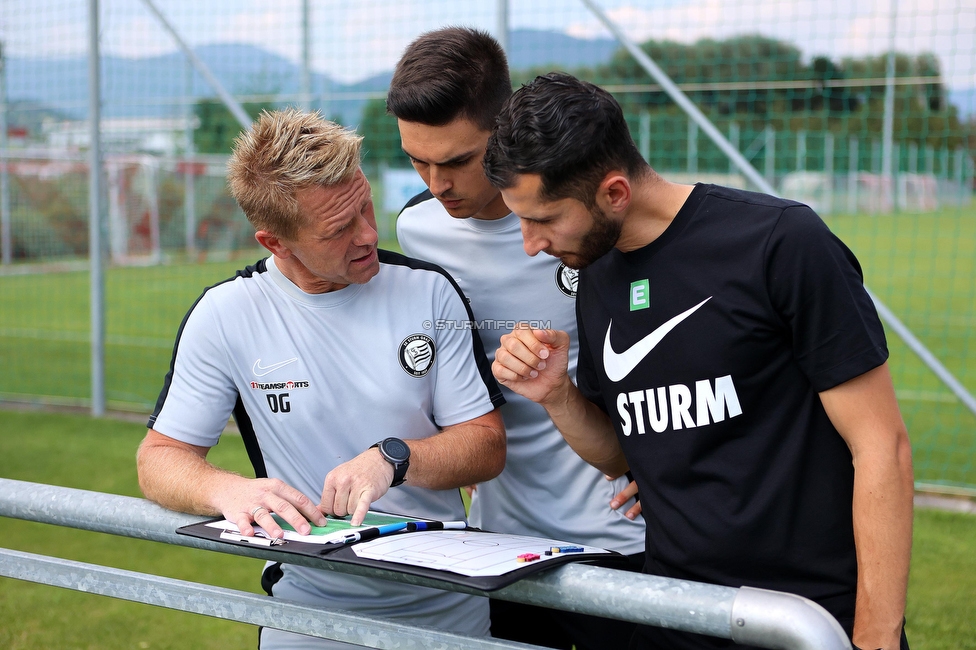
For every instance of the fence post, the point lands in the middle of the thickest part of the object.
(734, 139)
(957, 168)
(97, 289)
(305, 93)
(189, 170)
(501, 24)
(6, 231)
(877, 167)
(801, 150)
(118, 227)
(150, 170)
(828, 199)
(644, 135)
(895, 175)
(888, 168)
(968, 179)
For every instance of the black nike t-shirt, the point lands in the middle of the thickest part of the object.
(707, 349)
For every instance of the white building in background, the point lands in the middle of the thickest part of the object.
(162, 136)
(866, 193)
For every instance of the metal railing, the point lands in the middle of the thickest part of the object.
(750, 616)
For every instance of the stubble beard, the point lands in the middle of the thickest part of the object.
(597, 242)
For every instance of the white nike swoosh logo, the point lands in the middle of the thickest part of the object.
(261, 371)
(619, 366)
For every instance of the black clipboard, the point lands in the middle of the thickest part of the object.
(344, 553)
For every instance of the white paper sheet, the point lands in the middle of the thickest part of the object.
(468, 552)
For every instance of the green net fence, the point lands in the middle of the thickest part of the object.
(806, 91)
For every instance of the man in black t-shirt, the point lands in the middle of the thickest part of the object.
(730, 357)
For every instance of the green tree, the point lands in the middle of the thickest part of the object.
(218, 127)
(756, 81)
(381, 137)
(743, 76)
(923, 113)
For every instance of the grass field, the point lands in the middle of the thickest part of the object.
(45, 332)
(923, 266)
(81, 452)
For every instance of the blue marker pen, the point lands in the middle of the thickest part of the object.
(436, 525)
(372, 533)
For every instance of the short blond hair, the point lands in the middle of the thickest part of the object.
(284, 152)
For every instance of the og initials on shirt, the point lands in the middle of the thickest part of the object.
(279, 403)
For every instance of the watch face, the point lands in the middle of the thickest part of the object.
(395, 449)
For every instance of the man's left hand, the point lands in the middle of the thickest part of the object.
(623, 497)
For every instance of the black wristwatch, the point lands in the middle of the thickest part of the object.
(397, 453)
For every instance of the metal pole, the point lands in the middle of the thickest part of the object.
(6, 231)
(888, 122)
(150, 169)
(118, 228)
(692, 147)
(828, 172)
(644, 135)
(501, 25)
(189, 170)
(763, 618)
(241, 606)
(770, 152)
(801, 150)
(734, 139)
(923, 353)
(305, 93)
(232, 104)
(853, 162)
(682, 100)
(968, 180)
(898, 188)
(95, 256)
(882, 199)
(957, 160)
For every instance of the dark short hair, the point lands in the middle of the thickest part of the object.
(447, 74)
(569, 132)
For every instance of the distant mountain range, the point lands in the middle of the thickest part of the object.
(155, 86)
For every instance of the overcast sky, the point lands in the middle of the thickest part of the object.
(353, 40)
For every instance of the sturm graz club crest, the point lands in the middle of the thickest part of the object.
(417, 354)
(567, 279)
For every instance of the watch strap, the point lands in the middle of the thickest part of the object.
(399, 467)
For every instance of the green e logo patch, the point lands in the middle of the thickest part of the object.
(638, 295)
